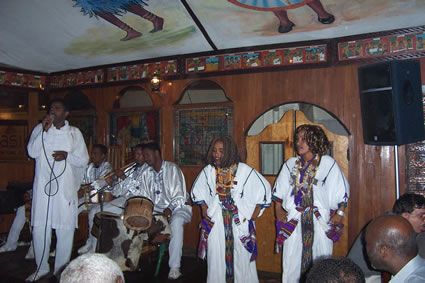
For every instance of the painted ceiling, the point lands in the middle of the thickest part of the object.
(58, 35)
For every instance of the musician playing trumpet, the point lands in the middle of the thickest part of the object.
(98, 168)
(123, 184)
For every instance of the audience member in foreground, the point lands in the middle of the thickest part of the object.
(391, 246)
(334, 270)
(92, 268)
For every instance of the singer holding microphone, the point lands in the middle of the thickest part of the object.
(61, 158)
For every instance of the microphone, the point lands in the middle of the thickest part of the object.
(47, 125)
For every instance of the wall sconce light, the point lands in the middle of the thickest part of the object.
(155, 82)
(156, 85)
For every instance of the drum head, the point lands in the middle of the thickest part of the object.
(138, 213)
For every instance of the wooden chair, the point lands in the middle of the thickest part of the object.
(117, 155)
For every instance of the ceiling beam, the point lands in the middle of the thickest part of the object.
(199, 24)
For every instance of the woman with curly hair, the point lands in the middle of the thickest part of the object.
(231, 195)
(311, 195)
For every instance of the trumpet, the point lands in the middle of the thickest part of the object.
(127, 169)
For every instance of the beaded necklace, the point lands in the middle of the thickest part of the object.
(303, 178)
(225, 179)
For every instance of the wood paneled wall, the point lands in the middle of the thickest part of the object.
(371, 168)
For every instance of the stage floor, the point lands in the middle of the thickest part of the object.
(15, 268)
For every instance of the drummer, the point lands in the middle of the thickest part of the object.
(123, 185)
(98, 167)
(163, 183)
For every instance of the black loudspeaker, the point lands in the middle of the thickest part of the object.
(391, 102)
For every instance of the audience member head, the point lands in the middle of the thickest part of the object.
(223, 152)
(92, 268)
(315, 138)
(152, 155)
(335, 270)
(390, 243)
(98, 154)
(412, 207)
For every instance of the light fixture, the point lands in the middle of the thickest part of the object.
(155, 82)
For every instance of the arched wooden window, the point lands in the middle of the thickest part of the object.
(203, 112)
(133, 97)
(272, 153)
(133, 119)
(203, 91)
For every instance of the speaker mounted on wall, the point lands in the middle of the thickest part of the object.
(391, 102)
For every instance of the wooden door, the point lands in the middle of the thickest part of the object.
(283, 132)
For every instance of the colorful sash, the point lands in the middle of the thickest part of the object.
(205, 227)
(250, 241)
(284, 231)
(335, 232)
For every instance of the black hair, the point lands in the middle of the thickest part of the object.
(408, 202)
(335, 270)
(231, 153)
(58, 100)
(102, 148)
(152, 146)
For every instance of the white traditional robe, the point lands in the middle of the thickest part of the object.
(69, 173)
(167, 189)
(251, 189)
(92, 174)
(331, 189)
(54, 203)
(131, 185)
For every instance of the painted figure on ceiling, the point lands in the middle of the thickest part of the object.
(279, 8)
(109, 10)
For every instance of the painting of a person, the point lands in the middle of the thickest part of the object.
(280, 8)
(109, 10)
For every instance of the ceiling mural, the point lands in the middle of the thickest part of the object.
(58, 35)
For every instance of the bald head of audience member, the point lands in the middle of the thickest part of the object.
(92, 268)
(390, 243)
(335, 270)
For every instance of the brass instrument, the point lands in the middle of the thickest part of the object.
(99, 186)
(127, 168)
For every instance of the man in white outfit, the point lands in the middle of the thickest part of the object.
(163, 183)
(61, 158)
(98, 168)
(124, 187)
(16, 228)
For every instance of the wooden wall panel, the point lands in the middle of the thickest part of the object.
(17, 171)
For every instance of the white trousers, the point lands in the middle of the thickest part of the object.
(179, 217)
(42, 237)
(16, 228)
